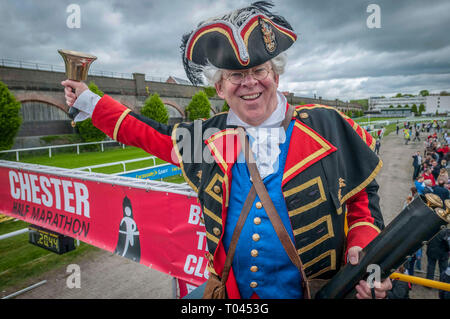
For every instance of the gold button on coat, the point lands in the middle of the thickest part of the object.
(216, 189)
(254, 253)
(254, 268)
(257, 220)
(253, 284)
(304, 115)
(256, 237)
(258, 205)
(216, 231)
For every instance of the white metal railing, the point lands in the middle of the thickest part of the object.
(123, 163)
(14, 233)
(403, 119)
(77, 145)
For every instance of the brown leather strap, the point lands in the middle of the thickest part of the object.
(237, 231)
(288, 117)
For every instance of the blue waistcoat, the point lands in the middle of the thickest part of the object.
(274, 276)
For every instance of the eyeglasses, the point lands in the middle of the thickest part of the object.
(259, 74)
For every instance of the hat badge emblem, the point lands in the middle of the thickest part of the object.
(268, 36)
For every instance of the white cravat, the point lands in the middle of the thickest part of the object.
(266, 138)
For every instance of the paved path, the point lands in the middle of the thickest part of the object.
(395, 177)
(104, 275)
(395, 180)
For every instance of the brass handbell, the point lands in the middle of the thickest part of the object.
(77, 68)
(445, 213)
(434, 201)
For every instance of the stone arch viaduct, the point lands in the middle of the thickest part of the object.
(43, 87)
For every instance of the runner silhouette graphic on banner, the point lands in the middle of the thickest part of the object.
(128, 244)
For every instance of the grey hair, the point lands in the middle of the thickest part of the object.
(213, 74)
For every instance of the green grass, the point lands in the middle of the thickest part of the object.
(21, 261)
(389, 129)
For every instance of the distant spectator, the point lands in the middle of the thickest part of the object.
(428, 175)
(436, 169)
(434, 155)
(428, 159)
(437, 252)
(442, 151)
(417, 163)
(400, 289)
(377, 146)
(406, 136)
(408, 200)
(447, 158)
(443, 174)
(411, 197)
(414, 192)
(421, 187)
(445, 277)
(441, 190)
(419, 184)
(417, 135)
(418, 259)
(410, 263)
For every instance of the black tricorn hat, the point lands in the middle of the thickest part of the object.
(239, 40)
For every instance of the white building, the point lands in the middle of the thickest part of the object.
(431, 102)
(440, 103)
(377, 103)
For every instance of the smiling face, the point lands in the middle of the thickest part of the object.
(252, 100)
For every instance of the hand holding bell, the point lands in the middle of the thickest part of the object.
(77, 67)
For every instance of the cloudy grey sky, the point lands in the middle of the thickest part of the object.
(336, 56)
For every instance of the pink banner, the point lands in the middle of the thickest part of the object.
(158, 229)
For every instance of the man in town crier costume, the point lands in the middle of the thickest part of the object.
(317, 165)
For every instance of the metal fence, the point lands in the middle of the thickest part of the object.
(123, 163)
(60, 68)
(402, 120)
(49, 148)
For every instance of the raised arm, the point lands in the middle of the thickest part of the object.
(119, 122)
